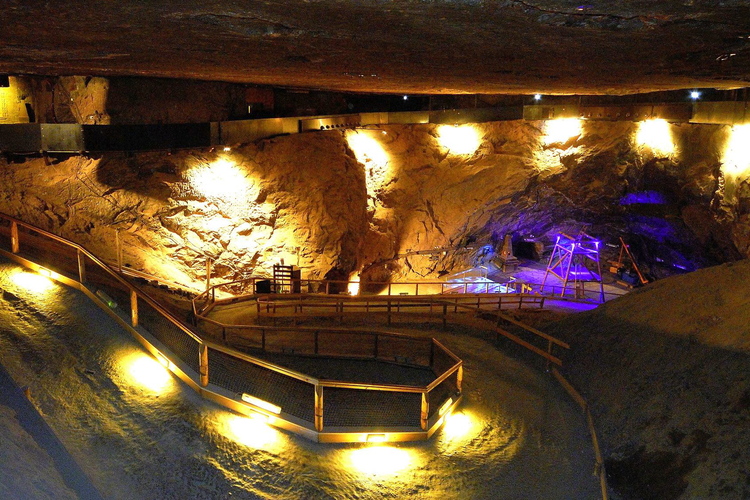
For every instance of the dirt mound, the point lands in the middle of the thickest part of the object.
(666, 371)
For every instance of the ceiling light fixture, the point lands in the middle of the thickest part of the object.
(537, 97)
(694, 95)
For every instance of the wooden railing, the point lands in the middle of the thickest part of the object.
(73, 265)
(445, 307)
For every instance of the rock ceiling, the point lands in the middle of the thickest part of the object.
(409, 46)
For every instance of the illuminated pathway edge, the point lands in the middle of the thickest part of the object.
(357, 412)
(515, 436)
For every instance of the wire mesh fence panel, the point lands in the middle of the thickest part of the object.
(440, 394)
(413, 351)
(441, 360)
(355, 408)
(243, 338)
(290, 341)
(48, 252)
(349, 344)
(293, 396)
(173, 337)
(107, 287)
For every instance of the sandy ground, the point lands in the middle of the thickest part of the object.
(666, 370)
(524, 438)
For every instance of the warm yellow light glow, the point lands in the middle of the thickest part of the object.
(445, 406)
(147, 372)
(656, 135)
(370, 153)
(221, 180)
(32, 282)
(163, 361)
(459, 140)
(736, 157)
(261, 403)
(561, 130)
(252, 431)
(457, 425)
(380, 460)
(353, 286)
(375, 438)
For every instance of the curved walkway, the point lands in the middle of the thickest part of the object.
(524, 437)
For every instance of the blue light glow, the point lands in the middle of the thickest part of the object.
(644, 197)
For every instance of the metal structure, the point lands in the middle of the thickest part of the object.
(572, 261)
(318, 409)
(621, 263)
(76, 138)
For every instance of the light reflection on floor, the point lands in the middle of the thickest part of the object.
(380, 460)
(174, 444)
(32, 282)
(146, 372)
(253, 431)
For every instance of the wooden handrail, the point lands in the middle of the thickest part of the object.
(101, 264)
(204, 345)
(444, 376)
(262, 363)
(373, 387)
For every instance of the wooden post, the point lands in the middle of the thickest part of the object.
(81, 267)
(203, 363)
(445, 316)
(549, 351)
(460, 378)
(14, 244)
(118, 249)
(389, 312)
(133, 308)
(319, 408)
(208, 273)
(425, 412)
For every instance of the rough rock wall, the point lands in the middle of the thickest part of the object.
(103, 101)
(298, 201)
(390, 202)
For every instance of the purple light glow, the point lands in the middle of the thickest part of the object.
(644, 197)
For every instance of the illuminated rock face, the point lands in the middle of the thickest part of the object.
(343, 202)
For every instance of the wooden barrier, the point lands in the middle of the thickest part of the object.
(200, 380)
(599, 469)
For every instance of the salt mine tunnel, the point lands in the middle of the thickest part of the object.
(341, 249)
